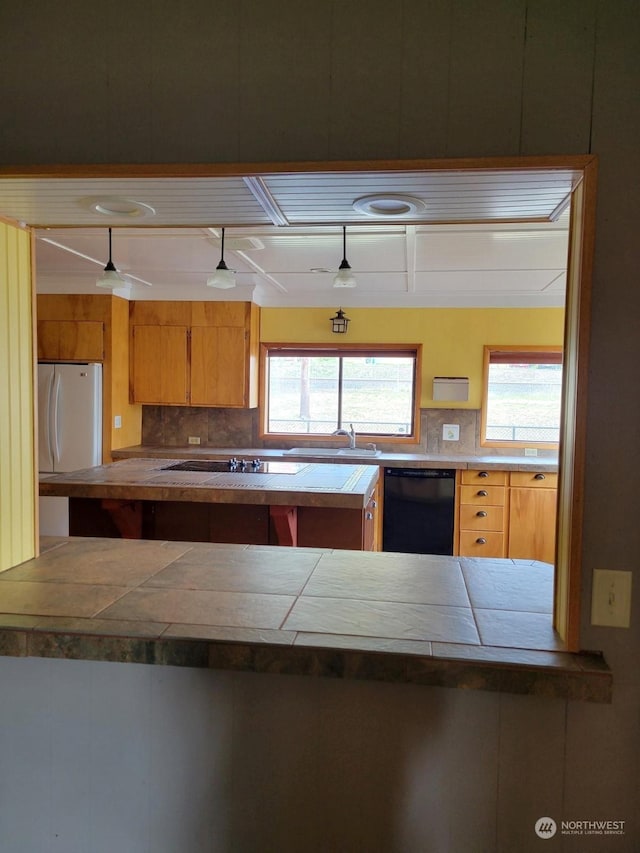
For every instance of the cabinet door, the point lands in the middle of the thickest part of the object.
(70, 340)
(159, 365)
(532, 524)
(218, 366)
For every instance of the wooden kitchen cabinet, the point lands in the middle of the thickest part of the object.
(532, 515)
(208, 352)
(507, 514)
(482, 513)
(70, 340)
(159, 364)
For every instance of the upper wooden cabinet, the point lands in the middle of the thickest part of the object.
(70, 340)
(194, 353)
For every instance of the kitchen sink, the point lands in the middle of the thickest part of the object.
(353, 452)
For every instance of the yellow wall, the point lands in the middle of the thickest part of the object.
(452, 338)
(17, 475)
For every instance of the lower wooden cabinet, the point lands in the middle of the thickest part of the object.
(532, 516)
(507, 514)
(481, 515)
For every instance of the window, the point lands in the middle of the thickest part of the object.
(312, 391)
(523, 396)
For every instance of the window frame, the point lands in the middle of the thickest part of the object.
(330, 349)
(525, 350)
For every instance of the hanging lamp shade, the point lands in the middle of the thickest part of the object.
(344, 276)
(223, 278)
(110, 277)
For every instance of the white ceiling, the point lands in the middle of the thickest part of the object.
(479, 238)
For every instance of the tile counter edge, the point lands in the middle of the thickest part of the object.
(585, 678)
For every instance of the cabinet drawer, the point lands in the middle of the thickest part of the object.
(485, 478)
(482, 544)
(478, 494)
(473, 517)
(534, 479)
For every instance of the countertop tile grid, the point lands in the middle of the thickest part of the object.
(364, 644)
(411, 578)
(57, 599)
(121, 562)
(202, 607)
(244, 571)
(509, 585)
(392, 620)
(390, 617)
(517, 629)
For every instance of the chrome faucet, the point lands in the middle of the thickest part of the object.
(351, 433)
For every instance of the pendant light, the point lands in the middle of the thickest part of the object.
(223, 278)
(110, 277)
(344, 277)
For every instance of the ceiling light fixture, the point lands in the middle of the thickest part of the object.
(339, 322)
(121, 207)
(110, 277)
(389, 205)
(345, 276)
(223, 278)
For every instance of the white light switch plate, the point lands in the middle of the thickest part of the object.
(117, 422)
(451, 432)
(611, 598)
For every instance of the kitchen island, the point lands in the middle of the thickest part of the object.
(274, 503)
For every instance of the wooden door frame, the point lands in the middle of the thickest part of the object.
(568, 574)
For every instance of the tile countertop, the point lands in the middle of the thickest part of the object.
(398, 460)
(314, 484)
(447, 621)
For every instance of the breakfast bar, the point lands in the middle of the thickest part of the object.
(399, 618)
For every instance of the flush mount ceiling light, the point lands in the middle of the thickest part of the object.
(223, 278)
(389, 205)
(345, 277)
(339, 322)
(121, 207)
(110, 277)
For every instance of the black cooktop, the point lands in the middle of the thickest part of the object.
(236, 466)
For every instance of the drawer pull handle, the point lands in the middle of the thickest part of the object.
(539, 477)
(481, 541)
(483, 474)
(369, 516)
(374, 504)
(481, 514)
(482, 493)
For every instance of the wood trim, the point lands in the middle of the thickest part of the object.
(573, 426)
(34, 350)
(579, 162)
(296, 348)
(488, 349)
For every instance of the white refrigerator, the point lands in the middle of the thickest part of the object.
(69, 430)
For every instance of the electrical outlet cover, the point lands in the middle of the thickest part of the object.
(451, 432)
(611, 598)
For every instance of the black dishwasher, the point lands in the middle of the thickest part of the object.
(418, 510)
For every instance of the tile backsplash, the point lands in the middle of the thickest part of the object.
(172, 426)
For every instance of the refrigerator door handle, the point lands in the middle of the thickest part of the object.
(53, 420)
(46, 415)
